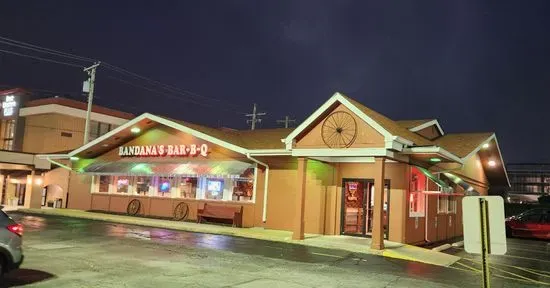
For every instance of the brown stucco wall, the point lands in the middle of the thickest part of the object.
(320, 195)
(79, 191)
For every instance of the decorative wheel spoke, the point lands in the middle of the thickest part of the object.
(181, 211)
(133, 207)
(339, 130)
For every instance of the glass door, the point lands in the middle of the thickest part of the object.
(386, 211)
(354, 206)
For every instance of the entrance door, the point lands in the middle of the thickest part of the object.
(20, 192)
(386, 211)
(355, 206)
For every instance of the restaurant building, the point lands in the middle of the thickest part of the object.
(33, 123)
(345, 170)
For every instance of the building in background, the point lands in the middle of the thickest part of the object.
(528, 181)
(31, 124)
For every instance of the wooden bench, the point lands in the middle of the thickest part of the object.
(234, 214)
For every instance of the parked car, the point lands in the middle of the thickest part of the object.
(11, 238)
(534, 223)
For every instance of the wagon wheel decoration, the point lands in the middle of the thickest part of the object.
(339, 130)
(181, 211)
(133, 207)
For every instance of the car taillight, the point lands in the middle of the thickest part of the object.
(16, 228)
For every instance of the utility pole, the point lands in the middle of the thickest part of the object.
(91, 79)
(255, 118)
(286, 121)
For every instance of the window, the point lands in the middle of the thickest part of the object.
(531, 179)
(164, 186)
(187, 188)
(243, 189)
(214, 189)
(104, 183)
(66, 134)
(418, 183)
(442, 203)
(451, 204)
(535, 218)
(416, 204)
(142, 185)
(98, 129)
(532, 188)
(122, 184)
(7, 133)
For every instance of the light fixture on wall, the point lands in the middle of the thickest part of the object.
(135, 130)
(38, 181)
(435, 159)
(492, 163)
(485, 146)
(74, 158)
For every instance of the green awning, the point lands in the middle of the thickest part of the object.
(468, 189)
(444, 186)
(187, 168)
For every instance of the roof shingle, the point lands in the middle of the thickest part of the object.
(462, 144)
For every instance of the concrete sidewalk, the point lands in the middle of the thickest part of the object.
(347, 243)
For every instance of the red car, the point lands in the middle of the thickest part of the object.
(533, 223)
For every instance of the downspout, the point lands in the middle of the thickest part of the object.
(264, 210)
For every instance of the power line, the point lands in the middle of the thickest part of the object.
(43, 49)
(162, 93)
(114, 68)
(40, 58)
(165, 86)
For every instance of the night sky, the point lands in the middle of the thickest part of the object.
(475, 66)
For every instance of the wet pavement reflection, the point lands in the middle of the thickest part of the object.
(86, 230)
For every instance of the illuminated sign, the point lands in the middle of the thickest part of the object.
(8, 106)
(163, 150)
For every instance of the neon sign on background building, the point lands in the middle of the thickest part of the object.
(163, 150)
(8, 106)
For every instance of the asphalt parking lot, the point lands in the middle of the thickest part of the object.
(70, 252)
(527, 259)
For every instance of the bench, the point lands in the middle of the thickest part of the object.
(228, 213)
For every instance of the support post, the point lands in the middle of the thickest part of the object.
(378, 219)
(485, 247)
(300, 200)
(33, 191)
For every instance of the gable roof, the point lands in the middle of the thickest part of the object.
(391, 126)
(462, 144)
(409, 124)
(249, 139)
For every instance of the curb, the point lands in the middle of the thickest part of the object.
(458, 244)
(442, 247)
(390, 253)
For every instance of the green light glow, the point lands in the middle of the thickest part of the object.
(142, 168)
(435, 159)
